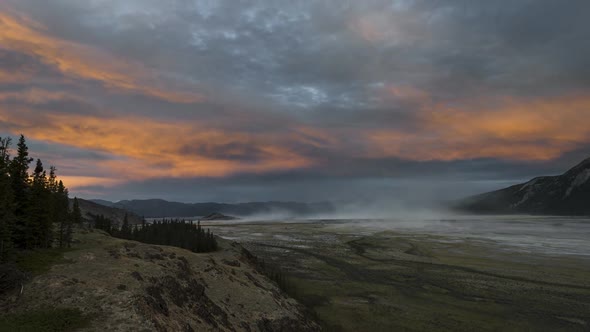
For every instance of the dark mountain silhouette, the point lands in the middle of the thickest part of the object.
(159, 208)
(103, 202)
(566, 194)
(218, 216)
(90, 209)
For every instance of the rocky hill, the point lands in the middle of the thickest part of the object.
(566, 194)
(129, 286)
(158, 208)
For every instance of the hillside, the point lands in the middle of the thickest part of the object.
(566, 194)
(158, 208)
(90, 209)
(129, 286)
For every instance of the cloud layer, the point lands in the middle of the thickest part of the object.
(295, 100)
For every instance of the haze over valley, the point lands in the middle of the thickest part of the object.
(222, 165)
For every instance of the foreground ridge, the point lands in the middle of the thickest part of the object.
(125, 285)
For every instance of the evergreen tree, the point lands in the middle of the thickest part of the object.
(52, 186)
(72, 218)
(31, 204)
(39, 227)
(19, 179)
(63, 215)
(76, 213)
(178, 233)
(125, 229)
(52, 180)
(6, 201)
(101, 222)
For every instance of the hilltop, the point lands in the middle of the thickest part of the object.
(125, 285)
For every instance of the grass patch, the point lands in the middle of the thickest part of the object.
(44, 320)
(39, 261)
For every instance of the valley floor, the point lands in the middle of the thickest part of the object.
(412, 281)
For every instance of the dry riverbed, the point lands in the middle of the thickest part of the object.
(396, 280)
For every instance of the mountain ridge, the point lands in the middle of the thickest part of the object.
(565, 194)
(159, 208)
(90, 209)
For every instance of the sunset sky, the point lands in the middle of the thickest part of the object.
(296, 100)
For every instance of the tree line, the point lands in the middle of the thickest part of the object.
(34, 207)
(35, 211)
(171, 232)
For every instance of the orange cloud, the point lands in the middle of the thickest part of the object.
(73, 181)
(518, 129)
(82, 61)
(35, 96)
(11, 76)
(145, 148)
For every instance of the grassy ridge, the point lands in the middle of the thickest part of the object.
(39, 261)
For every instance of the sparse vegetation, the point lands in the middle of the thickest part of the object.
(40, 261)
(44, 320)
(286, 284)
(275, 274)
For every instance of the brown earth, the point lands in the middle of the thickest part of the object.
(130, 286)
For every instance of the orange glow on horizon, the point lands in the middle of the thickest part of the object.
(539, 129)
(144, 148)
(152, 149)
(235, 137)
(84, 181)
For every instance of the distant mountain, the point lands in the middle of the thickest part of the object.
(158, 208)
(566, 194)
(218, 216)
(92, 208)
(103, 202)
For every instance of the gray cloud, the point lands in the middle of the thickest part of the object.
(309, 54)
(275, 66)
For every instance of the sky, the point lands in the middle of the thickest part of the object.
(240, 101)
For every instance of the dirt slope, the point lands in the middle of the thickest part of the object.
(130, 286)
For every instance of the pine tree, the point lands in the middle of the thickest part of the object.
(19, 180)
(101, 222)
(125, 229)
(63, 215)
(52, 180)
(6, 201)
(30, 204)
(39, 227)
(76, 213)
(52, 185)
